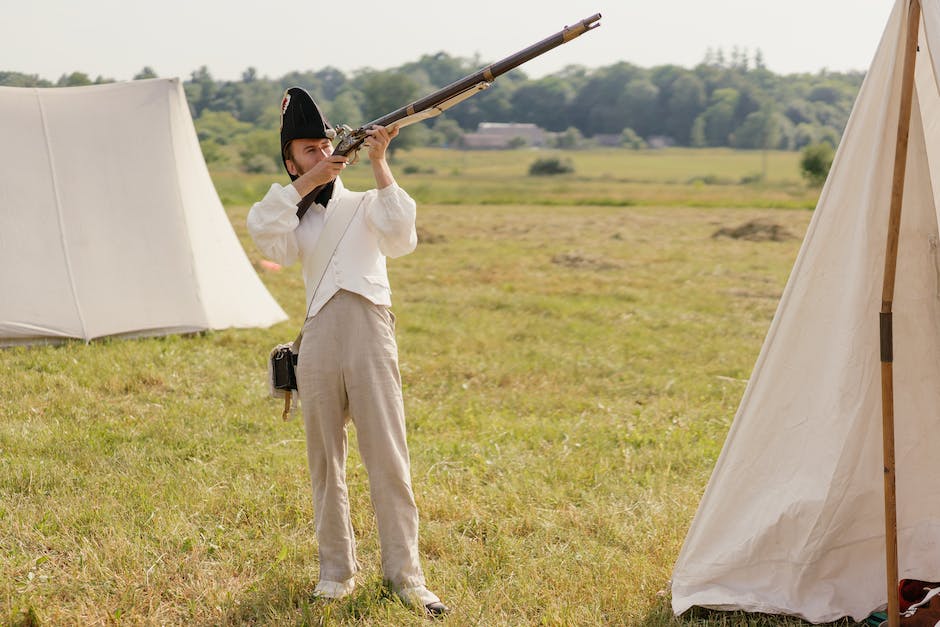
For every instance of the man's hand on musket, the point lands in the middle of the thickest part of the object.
(313, 161)
(326, 170)
(377, 143)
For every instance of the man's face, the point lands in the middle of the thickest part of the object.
(306, 153)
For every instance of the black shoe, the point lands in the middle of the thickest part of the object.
(436, 609)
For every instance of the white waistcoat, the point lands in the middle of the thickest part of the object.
(383, 227)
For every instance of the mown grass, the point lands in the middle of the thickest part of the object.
(570, 373)
(674, 177)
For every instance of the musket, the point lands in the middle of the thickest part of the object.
(348, 140)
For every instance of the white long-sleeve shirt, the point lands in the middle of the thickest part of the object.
(383, 227)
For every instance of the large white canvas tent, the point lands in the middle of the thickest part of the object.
(793, 518)
(109, 222)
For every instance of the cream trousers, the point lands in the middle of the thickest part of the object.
(348, 370)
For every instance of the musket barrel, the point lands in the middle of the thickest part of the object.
(490, 72)
(562, 37)
(486, 75)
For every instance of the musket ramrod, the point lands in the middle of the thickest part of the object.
(349, 140)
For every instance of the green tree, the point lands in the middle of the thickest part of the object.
(330, 82)
(200, 90)
(146, 72)
(597, 107)
(718, 119)
(75, 79)
(829, 135)
(440, 68)
(17, 79)
(570, 139)
(640, 98)
(630, 139)
(800, 111)
(220, 126)
(383, 92)
(786, 133)
(697, 136)
(550, 166)
(270, 118)
(804, 135)
(253, 99)
(760, 131)
(686, 100)
(815, 161)
(543, 102)
(213, 152)
(259, 143)
(830, 92)
(446, 132)
(344, 109)
(491, 105)
(717, 103)
(749, 101)
(259, 164)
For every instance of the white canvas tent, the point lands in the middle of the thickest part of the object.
(793, 518)
(109, 222)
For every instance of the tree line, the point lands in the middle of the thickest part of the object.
(726, 100)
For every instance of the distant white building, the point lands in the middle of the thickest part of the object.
(607, 139)
(660, 141)
(498, 135)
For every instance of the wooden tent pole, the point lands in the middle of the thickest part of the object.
(886, 324)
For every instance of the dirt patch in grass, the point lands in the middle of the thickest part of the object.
(427, 237)
(584, 261)
(756, 231)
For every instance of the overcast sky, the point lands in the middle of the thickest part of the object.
(117, 38)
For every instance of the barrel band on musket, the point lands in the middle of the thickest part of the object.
(410, 110)
(570, 33)
(488, 74)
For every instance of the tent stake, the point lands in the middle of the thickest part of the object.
(885, 321)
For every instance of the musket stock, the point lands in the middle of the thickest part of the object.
(349, 140)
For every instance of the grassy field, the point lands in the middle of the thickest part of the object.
(719, 178)
(572, 349)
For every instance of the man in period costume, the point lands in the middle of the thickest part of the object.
(348, 362)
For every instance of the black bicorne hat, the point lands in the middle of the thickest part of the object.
(301, 118)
